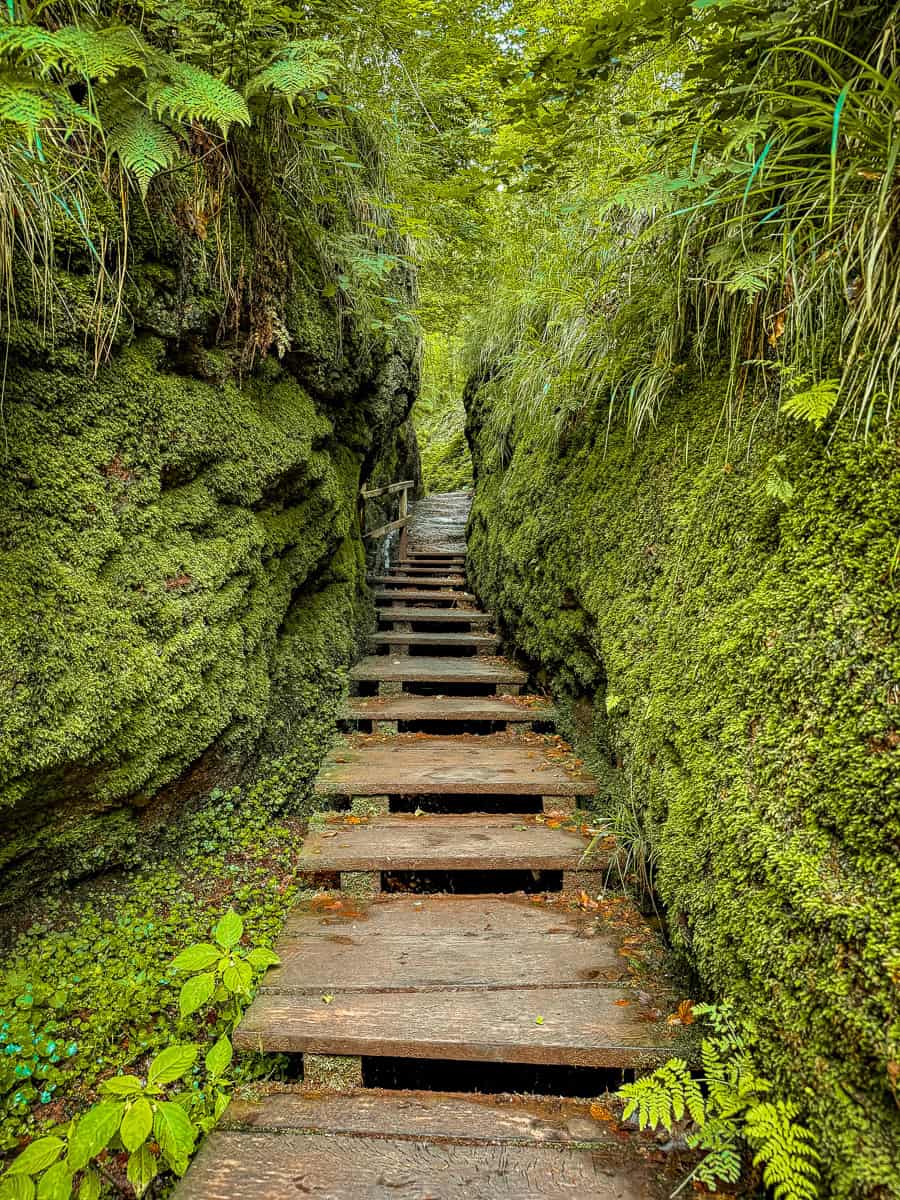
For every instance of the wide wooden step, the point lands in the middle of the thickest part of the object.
(432, 595)
(447, 843)
(464, 765)
(388, 668)
(585, 1026)
(414, 571)
(444, 582)
(410, 1145)
(511, 709)
(456, 616)
(406, 941)
(472, 641)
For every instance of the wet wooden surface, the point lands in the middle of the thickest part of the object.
(429, 595)
(454, 616)
(478, 641)
(491, 765)
(420, 581)
(271, 1166)
(449, 708)
(446, 843)
(402, 668)
(587, 1026)
(438, 524)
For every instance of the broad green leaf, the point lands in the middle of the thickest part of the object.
(174, 1132)
(141, 1169)
(16, 1187)
(219, 1057)
(172, 1063)
(90, 1186)
(93, 1132)
(238, 977)
(229, 930)
(220, 1105)
(55, 1184)
(195, 992)
(260, 958)
(196, 958)
(121, 1085)
(136, 1124)
(37, 1157)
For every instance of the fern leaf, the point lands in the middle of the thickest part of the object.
(663, 1097)
(301, 66)
(194, 95)
(16, 41)
(785, 1149)
(815, 403)
(143, 146)
(99, 54)
(22, 104)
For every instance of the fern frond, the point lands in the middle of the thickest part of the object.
(194, 95)
(301, 66)
(813, 404)
(98, 54)
(663, 1097)
(22, 103)
(143, 146)
(785, 1150)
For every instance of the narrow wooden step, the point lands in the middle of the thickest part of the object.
(476, 641)
(443, 582)
(429, 569)
(455, 616)
(584, 1026)
(518, 709)
(381, 668)
(410, 1145)
(406, 941)
(464, 765)
(447, 596)
(446, 843)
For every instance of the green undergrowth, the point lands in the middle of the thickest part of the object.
(439, 417)
(717, 613)
(86, 985)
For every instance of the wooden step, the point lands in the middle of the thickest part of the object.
(455, 616)
(428, 569)
(386, 668)
(475, 641)
(464, 765)
(410, 1145)
(432, 595)
(400, 942)
(446, 843)
(584, 1026)
(519, 709)
(443, 582)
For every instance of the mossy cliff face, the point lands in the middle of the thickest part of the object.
(181, 579)
(733, 664)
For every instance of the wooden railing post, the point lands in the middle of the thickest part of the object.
(404, 517)
(390, 490)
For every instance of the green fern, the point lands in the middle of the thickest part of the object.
(190, 94)
(784, 1148)
(22, 103)
(97, 54)
(143, 146)
(301, 66)
(814, 404)
(662, 1098)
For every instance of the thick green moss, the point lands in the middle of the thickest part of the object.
(181, 573)
(742, 664)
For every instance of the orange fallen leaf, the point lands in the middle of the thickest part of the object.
(683, 1015)
(601, 1113)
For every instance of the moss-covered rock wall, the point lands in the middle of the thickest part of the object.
(181, 574)
(731, 662)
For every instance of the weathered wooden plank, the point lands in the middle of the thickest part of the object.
(442, 616)
(394, 944)
(269, 1166)
(476, 641)
(388, 490)
(448, 708)
(428, 594)
(449, 582)
(425, 669)
(383, 529)
(573, 1026)
(469, 765)
(445, 843)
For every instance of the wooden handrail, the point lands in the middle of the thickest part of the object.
(403, 515)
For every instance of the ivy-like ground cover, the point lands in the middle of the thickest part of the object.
(732, 663)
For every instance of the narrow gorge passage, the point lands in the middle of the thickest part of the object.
(374, 969)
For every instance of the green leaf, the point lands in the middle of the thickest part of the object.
(16, 1187)
(195, 992)
(121, 1085)
(90, 1186)
(141, 1169)
(37, 1157)
(136, 1124)
(174, 1131)
(260, 958)
(238, 978)
(172, 1063)
(55, 1184)
(229, 930)
(195, 958)
(219, 1057)
(93, 1132)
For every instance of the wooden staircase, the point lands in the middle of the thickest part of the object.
(472, 970)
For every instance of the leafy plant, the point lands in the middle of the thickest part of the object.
(220, 971)
(726, 1107)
